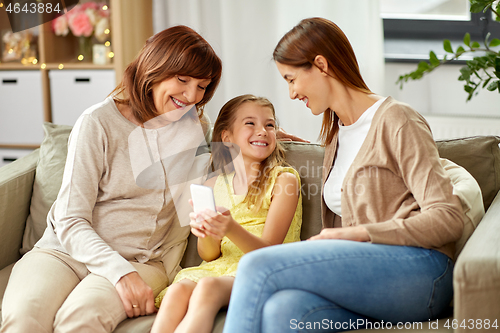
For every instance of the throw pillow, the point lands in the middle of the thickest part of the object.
(480, 156)
(48, 179)
(469, 192)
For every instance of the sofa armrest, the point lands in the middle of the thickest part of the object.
(16, 185)
(476, 280)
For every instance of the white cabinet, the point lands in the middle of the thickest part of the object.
(10, 155)
(73, 91)
(21, 107)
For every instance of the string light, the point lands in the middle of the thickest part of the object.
(43, 66)
(80, 57)
(35, 61)
(111, 54)
(61, 66)
(107, 43)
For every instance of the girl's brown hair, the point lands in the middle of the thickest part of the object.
(178, 50)
(318, 36)
(221, 157)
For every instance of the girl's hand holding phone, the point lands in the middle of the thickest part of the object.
(196, 227)
(215, 224)
(219, 224)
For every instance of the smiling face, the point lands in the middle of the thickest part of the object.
(308, 85)
(178, 93)
(253, 131)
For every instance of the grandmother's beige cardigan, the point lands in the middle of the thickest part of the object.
(396, 186)
(124, 193)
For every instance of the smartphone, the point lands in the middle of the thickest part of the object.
(203, 198)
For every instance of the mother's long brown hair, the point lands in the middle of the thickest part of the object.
(318, 36)
(178, 50)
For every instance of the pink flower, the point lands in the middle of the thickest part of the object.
(80, 25)
(83, 20)
(60, 26)
(73, 12)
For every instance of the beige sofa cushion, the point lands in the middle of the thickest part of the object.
(16, 188)
(48, 179)
(307, 159)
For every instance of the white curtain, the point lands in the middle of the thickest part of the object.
(244, 34)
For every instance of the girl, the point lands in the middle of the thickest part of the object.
(390, 216)
(265, 208)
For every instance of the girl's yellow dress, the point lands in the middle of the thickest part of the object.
(253, 222)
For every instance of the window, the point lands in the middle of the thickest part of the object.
(414, 27)
(453, 10)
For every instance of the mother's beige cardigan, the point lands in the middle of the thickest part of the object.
(396, 186)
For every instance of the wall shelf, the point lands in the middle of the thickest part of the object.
(131, 25)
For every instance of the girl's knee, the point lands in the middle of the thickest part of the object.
(207, 286)
(179, 290)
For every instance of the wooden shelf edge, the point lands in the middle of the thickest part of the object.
(17, 66)
(78, 66)
(22, 146)
(5, 66)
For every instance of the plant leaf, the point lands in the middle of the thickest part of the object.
(475, 45)
(460, 50)
(434, 59)
(494, 42)
(493, 86)
(447, 46)
(423, 66)
(476, 8)
(466, 72)
(467, 39)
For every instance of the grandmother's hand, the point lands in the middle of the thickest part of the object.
(357, 233)
(137, 297)
(282, 135)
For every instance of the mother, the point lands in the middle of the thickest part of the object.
(389, 215)
(114, 239)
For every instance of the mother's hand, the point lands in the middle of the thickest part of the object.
(137, 297)
(357, 233)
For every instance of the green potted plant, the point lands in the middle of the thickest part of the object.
(482, 71)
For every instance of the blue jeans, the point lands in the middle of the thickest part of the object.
(337, 285)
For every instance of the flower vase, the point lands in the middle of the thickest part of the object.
(85, 49)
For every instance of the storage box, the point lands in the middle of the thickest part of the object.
(73, 91)
(21, 107)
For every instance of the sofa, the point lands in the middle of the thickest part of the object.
(29, 185)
